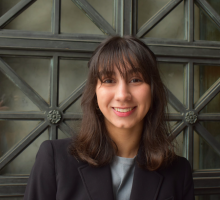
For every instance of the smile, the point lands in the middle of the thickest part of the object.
(123, 110)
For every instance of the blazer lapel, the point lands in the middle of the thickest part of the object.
(146, 184)
(97, 181)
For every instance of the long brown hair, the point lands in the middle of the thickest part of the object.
(93, 144)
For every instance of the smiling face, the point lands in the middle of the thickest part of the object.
(124, 102)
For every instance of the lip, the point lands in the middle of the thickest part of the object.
(124, 114)
(124, 107)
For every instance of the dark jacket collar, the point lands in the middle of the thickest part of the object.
(98, 182)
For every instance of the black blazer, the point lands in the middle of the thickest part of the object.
(56, 175)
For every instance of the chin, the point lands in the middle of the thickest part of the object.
(125, 126)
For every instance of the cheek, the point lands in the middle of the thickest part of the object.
(145, 97)
(103, 98)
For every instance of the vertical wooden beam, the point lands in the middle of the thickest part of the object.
(189, 20)
(134, 17)
(189, 101)
(56, 17)
(127, 22)
(118, 13)
(53, 132)
(54, 82)
(189, 85)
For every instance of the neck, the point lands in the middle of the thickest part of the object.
(127, 140)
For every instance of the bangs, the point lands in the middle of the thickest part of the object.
(119, 55)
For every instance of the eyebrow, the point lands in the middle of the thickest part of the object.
(103, 73)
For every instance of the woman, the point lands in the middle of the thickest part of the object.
(123, 150)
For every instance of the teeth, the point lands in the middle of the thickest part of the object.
(123, 110)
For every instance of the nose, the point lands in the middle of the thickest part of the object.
(122, 91)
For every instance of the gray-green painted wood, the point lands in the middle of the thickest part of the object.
(161, 14)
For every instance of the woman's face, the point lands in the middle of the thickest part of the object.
(124, 103)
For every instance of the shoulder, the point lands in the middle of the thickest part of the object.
(182, 164)
(62, 143)
(179, 168)
(179, 163)
(55, 145)
(58, 149)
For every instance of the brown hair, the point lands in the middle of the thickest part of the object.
(93, 143)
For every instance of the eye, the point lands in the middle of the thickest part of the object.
(107, 81)
(135, 80)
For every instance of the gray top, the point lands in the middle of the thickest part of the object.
(122, 170)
